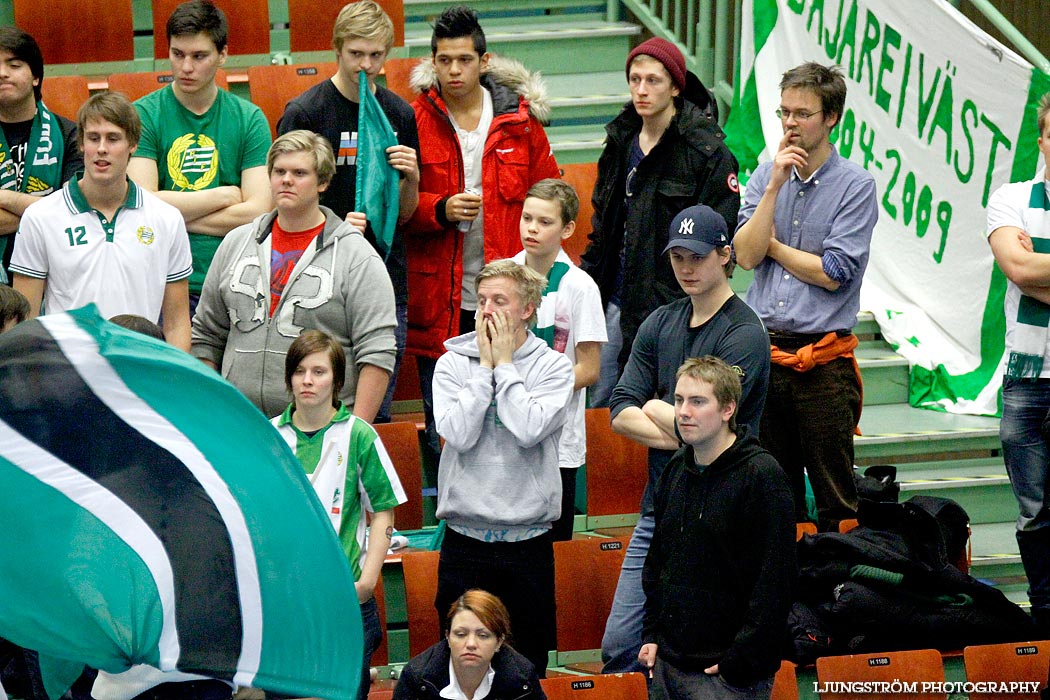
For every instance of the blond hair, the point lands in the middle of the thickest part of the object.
(362, 19)
(529, 282)
(1043, 111)
(309, 142)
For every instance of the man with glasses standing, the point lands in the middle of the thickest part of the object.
(805, 228)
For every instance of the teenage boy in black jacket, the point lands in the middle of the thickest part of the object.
(720, 574)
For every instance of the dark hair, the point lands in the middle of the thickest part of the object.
(23, 47)
(455, 22)
(308, 343)
(114, 108)
(488, 608)
(12, 305)
(139, 325)
(826, 81)
(196, 17)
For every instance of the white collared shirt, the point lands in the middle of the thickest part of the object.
(452, 691)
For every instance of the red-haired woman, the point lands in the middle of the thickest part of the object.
(473, 661)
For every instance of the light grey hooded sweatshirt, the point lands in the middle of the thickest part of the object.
(339, 286)
(499, 467)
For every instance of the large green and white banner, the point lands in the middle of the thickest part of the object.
(941, 114)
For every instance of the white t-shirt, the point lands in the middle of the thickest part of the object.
(473, 145)
(122, 265)
(1009, 206)
(572, 307)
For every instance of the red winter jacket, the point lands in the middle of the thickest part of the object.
(517, 154)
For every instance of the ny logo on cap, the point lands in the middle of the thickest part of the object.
(686, 228)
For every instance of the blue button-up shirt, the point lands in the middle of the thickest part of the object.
(831, 215)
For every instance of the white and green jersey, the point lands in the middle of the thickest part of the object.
(570, 313)
(121, 265)
(1025, 205)
(346, 457)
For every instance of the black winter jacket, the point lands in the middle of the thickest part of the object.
(690, 165)
(423, 677)
(720, 575)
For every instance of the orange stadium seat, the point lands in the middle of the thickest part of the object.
(581, 176)
(617, 468)
(136, 85)
(785, 683)
(381, 656)
(272, 87)
(585, 576)
(618, 686)
(421, 580)
(401, 441)
(63, 94)
(1003, 663)
(396, 72)
(310, 22)
(919, 666)
(249, 22)
(58, 27)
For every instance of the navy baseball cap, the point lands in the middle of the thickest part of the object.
(698, 229)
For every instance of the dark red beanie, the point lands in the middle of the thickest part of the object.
(666, 53)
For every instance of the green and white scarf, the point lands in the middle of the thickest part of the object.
(43, 159)
(1032, 325)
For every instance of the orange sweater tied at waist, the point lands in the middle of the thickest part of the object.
(831, 347)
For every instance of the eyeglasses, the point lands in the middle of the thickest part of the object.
(785, 114)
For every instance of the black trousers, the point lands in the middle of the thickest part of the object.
(808, 426)
(521, 574)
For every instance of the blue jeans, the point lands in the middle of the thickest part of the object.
(400, 337)
(623, 630)
(372, 637)
(1023, 431)
(609, 368)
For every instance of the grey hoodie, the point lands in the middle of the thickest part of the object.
(499, 467)
(339, 286)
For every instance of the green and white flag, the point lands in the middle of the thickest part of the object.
(941, 114)
(377, 181)
(153, 516)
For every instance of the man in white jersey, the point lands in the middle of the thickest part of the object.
(102, 239)
(1019, 233)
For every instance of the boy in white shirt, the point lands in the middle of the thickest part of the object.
(570, 319)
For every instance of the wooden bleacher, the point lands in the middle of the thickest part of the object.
(59, 29)
(401, 441)
(617, 470)
(585, 574)
(248, 20)
(136, 85)
(310, 22)
(918, 666)
(272, 87)
(421, 570)
(1004, 663)
(63, 94)
(619, 686)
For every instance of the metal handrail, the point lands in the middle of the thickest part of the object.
(1011, 33)
(700, 28)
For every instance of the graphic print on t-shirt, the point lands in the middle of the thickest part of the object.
(347, 154)
(193, 162)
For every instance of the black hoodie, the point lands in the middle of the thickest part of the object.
(721, 570)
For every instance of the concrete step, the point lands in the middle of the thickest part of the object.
(897, 432)
(554, 45)
(884, 372)
(981, 486)
(996, 561)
